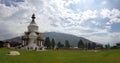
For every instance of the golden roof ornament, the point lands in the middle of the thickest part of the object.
(33, 18)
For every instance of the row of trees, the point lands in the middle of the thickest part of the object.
(82, 45)
(67, 44)
(88, 45)
(51, 44)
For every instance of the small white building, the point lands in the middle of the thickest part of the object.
(32, 39)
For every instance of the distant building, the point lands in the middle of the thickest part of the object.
(118, 45)
(32, 39)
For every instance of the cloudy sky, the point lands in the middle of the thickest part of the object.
(97, 20)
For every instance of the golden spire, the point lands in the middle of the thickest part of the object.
(33, 18)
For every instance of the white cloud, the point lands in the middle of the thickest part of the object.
(88, 14)
(100, 39)
(114, 37)
(94, 22)
(104, 2)
(105, 13)
(108, 27)
(69, 2)
(113, 15)
(109, 38)
(4, 10)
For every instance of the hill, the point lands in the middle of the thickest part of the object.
(59, 37)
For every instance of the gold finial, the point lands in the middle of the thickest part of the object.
(33, 18)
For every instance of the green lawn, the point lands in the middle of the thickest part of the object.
(60, 56)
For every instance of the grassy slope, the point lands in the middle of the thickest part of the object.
(61, 56)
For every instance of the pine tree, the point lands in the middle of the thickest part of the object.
(59, 45)
(81, 44)
(107, 46)
(53, 43)
(47, 42)
(99, 46)
(89, 45)
(67, 45)
(93, 45)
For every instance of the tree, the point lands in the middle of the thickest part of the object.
(93, 45)
(53, 43)
(99, 46)
(107, 46)
(81, 44)
(1, 44)
(89, 45)
(59, 45)
(47, 42)
(67, 45)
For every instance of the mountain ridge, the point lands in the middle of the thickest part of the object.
(59, 37)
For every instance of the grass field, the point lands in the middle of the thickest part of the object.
(60, 56)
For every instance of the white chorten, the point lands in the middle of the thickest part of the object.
(32, 39)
